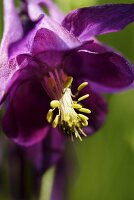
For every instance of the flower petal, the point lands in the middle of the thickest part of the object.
(24, 119)
(105, 68)
(57, 34)
(47, 40)
(68, 38)
(54, 12)
(91, 21)
(12, 33)
(48, 152)
(49, 48)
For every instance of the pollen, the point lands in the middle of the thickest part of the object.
(85, 110)
(50, 115)
(70, 115)
(54, 104)
(83, 97)
(81, 86)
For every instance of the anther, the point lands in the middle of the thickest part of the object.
(50, 116)
(85, 110)
(85, 123)
(81, 86)
(77, 135)
(83, 117)
(54, 104)
(80, 137)
(83, 97)
(76, 106)
(55, 122)
(68, 82)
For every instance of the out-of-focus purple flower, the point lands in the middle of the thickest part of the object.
(23, 165)
(48, 58)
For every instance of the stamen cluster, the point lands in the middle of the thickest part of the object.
(70, 119)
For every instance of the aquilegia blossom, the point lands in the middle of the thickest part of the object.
(61, 72)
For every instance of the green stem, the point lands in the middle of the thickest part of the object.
(47, 184)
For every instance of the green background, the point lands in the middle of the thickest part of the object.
(106, 159)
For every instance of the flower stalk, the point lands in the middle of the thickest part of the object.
(47, 184)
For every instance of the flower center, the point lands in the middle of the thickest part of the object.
(67, 110)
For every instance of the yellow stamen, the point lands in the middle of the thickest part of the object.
(68, 119)
(76, 106)
(68, 82)
(83, 117)
(83, 97)
(77, 135)
(85, 123)
(83, 133)
(81, 86)
(54, 104)
(50, 115)
(85, 110)
(55, 122)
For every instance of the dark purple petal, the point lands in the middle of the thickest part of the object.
(24, 120)
(26, 60)
(50, 58)
(48, 152)
(50, 48)
(68, 38)
(47, 40)
(91, 21)
(96, 46)
(42, 62)
(98, 106)
(22, 74)
(108, 69)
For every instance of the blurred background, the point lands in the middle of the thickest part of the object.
(106, 159)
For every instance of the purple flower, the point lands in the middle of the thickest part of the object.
(57, 66)
(40, 156)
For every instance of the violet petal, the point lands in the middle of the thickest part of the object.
(91, 21)
(11, 34)
(106, 68)
(56, 30)
(24, 120)
(54, 12)
(47, 40)
(47, 152)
